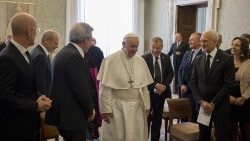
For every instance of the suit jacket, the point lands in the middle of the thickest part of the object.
(2, 46)
(185, 70)
(183, 47)
(42, 68)
(70, 91)
(243, 75)
(216, 86)
(19, 118)
(167, 73)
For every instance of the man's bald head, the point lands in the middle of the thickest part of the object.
(209, 40)
(24, 27)
(20, 22)
(50, 40)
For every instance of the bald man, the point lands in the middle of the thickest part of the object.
(19, 101)
(211, 81)
(41, 60)
(124, 96)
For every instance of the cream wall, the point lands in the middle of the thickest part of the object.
(50, 14)
(158, 22)
(234, 19)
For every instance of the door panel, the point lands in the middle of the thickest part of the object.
(186, 20)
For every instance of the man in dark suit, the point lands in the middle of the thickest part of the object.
(177, 50)
(72, 106)
(20, 104)
(185, 70)
(161, 70)
(211, 81)
(5, 43)
(41, 60)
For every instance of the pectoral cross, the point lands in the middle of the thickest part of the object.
(130, 82)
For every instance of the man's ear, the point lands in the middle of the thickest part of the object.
(28, 32)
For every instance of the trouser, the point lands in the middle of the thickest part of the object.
(72, 135)
(155, 117)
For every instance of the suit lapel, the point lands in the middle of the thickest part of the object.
(202, 64)
(19, 56)
(215, 62)
(23, 61)
(44, 54)
(151, 64)
(163, 65)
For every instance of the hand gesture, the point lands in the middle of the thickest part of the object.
(160, 88)
(106, 117)
(44, 103)
(92, 116)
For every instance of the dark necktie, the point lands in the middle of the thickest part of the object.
(207, 65)
(29, 57)
(157, 71)
(48, 57)
(191, 56)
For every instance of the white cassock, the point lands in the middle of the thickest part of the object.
(124, 94)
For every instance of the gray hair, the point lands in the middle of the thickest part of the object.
(213, 34)
(79, 32)
(197, 35)
(49, 35)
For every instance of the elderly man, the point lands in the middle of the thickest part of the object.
(19, 101)
(211, 81)
(41, 60)
(161, 70)
(71, 93)
(124, 97)
(185, 70)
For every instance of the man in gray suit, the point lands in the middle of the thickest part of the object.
(211, 81)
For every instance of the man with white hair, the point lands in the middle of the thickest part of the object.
(124, 97)
(71, 93)
(211, 83)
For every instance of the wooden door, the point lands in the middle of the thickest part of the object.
(186, 20)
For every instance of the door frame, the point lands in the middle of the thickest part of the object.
(212, 12)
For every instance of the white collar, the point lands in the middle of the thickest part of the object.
(79, 49)
(21, 48)
(213, 53)
(44, 49)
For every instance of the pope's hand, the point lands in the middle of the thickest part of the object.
(106, 117)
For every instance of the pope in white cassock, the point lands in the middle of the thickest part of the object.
(124, 97)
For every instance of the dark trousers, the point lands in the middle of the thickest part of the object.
(221, 124)
(175, 84)
(156, 111)
(72, 136)
(34, 137)
(244, 131)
